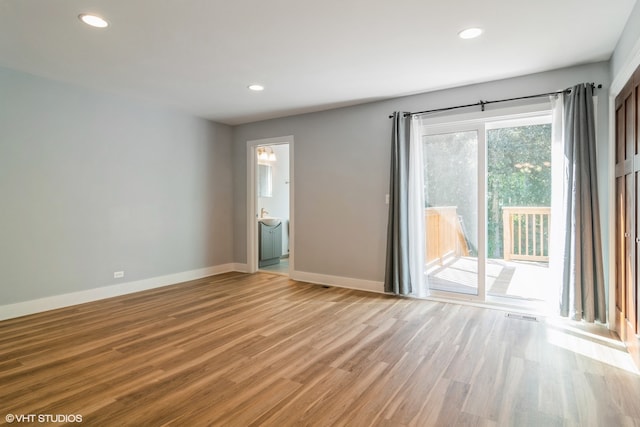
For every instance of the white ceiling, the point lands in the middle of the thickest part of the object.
(200, 55)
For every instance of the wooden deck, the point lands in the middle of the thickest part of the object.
(511, 279)
(522, 273)
(262, 350)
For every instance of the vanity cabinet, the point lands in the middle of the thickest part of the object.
(270, 244)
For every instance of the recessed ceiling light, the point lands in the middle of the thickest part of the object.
(470, 33)
(93, 20)
(256, 88)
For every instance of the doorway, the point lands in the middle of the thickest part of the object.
(270, 205)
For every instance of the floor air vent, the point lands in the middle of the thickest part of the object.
(518, 316)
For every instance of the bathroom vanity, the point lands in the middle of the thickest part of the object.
(270, 236)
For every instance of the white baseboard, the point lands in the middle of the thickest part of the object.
(65, 300)
(338, 281)
(239, 267)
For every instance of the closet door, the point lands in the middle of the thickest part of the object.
(627, 174)
(622, 236)
(630, 209)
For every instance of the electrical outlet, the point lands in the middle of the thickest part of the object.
(118, 274)
(386, 199)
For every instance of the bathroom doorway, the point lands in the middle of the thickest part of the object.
(270, 218)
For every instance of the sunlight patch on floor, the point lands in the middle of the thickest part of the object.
(511, 279)
(603, 349)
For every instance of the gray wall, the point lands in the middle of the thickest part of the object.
(628, 41)
(341, 162)
(91, 184)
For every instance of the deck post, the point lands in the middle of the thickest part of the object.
(507, 226)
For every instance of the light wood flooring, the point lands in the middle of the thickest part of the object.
(243, 350)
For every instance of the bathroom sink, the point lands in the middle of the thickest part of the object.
(269, 221)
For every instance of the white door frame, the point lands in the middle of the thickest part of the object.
(252, 198)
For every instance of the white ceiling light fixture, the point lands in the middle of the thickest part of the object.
(470, 33)
(93, 20)
(255, 87)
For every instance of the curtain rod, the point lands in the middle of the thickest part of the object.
(483, 103)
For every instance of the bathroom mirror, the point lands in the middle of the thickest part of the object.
(265, 184)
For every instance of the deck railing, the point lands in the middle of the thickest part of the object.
(444, 234)
(526, 233)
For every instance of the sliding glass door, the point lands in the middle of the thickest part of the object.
(451, 211)
(487, 187)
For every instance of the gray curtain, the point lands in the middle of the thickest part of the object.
(583, 279)
(397, 278)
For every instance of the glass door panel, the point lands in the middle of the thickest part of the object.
(519, 211)
(451, 211)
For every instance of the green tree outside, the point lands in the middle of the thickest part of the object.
(519, 174)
